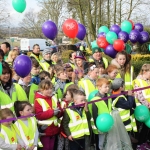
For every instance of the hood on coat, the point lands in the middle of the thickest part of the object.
(114, 62)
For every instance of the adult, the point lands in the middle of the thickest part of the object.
(9, 91)
(46, 62)
(17, 49)
(98, 58)
(5, 46)
(36, 53)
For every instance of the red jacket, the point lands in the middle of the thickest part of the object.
(44, 115)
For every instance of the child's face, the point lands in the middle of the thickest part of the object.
(28, 110)
(113, 74)
(104, 88)
(121, 59)
(69, 73)
(94, 74)
(47, 92)
(35, 71)
(55, 58)
(68, 96)
(147, 74)
(79, 99)
(79, 62)
(8, 123)
(63, 75)
(101, 70)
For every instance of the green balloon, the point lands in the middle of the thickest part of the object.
(126, 26)
(147, 122)
(104, 122)
(111, 37)
(103, 29)
(141, 113)
(19, 5)
(1, 69)
(92, 95)
(94, 44)
(149, 47)
(128, 48)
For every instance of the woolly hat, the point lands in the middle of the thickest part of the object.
(47, 51)
(117, 83)
(80, 55)
(96, 49)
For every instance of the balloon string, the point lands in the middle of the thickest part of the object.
(74, 106)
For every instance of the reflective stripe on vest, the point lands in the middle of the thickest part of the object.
(88, 87)
(45, 107)
(8, 134)
(27, 133)
(125, 115)
(128, 79)
(44, 65)
(105, 62)
(78, 125)
(33, 88)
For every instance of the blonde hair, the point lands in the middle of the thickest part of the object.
(145, 68)
(102, 81)
(45, 85)
(11, 53)
(4, 113)
(57, 55)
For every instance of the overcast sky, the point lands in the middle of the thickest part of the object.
(16, 17)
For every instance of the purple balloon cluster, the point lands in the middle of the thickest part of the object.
(129, 31)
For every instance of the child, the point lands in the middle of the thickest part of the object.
(122, 61)
(101, 70)
(75, 122)
(26, 127)
(98, 108)
(44, 75)
(8, 137)
(28, 87)
(62, 82)
(72, 59)
(125, 105)
(48, 112)
(112, 72)
(63, 141)
(69, 71)
(35, 72)
(55, 58)
(88, 83)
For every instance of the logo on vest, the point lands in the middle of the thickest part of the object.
(12, 139)
(28, 138)
(77, 117)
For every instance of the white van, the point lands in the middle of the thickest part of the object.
(26, 45)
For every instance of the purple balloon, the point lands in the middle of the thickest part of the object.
(22, 65)
(110, 51)
(124, 36)
(101, 34)
(115, 28)
(81, 31)
(144, 37)
(134, 36)
(139, 27)
(49, 29)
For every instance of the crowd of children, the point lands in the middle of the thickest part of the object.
(49, 106)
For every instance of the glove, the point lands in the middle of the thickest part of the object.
(56, 111)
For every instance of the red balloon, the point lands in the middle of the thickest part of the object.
(131, 23)
(70, 28)
(102, 42)
(119, 45)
